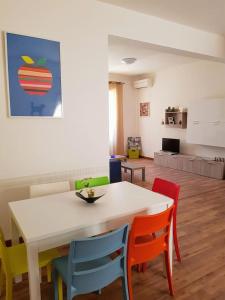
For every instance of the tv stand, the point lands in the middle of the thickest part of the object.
(190, 163)
(168, 152)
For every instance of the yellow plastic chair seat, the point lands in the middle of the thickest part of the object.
(13, 262)
(17, 256)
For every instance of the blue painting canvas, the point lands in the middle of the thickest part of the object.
(34, 76)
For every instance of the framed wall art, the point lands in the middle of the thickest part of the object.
(34, 76)
(144, 109)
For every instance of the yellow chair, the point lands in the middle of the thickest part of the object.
(14, 262)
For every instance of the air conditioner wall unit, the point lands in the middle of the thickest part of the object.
(143, 83)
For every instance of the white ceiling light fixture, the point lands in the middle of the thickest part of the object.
(128, 60)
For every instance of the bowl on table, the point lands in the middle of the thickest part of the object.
(89, 195)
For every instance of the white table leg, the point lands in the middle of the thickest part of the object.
(33, 272)
(14, 232)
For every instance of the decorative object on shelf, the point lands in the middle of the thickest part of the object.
(168, 109)
(163, 122)
(34, 76)
(171, 120)
(144, 109)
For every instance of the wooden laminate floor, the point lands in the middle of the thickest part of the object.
(201, 231)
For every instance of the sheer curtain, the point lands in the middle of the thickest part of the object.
(116, 138)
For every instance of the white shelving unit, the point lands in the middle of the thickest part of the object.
(206, 122)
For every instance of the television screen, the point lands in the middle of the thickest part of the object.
(171, 145)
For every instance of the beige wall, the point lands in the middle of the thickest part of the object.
(179, 86)
(130, 119)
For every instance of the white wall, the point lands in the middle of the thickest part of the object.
(37, 146)
(33, 147)
(130, 119)
(177, 87)
(159, 32)
(78, 143)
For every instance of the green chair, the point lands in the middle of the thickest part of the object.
(91, 182)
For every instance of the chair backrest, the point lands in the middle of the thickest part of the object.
(87, 252)
(91, 182)
(149, 236)
(38, 190)
(167, 188)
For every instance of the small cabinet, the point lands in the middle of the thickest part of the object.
(213, 169)
(173, 162)
(188, 163)
(161, 159)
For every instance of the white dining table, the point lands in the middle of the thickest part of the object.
(54, 220)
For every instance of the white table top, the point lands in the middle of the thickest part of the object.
(48, 216)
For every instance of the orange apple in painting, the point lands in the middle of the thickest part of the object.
(35, 78)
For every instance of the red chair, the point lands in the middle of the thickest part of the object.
(171, 190)
(143, 247)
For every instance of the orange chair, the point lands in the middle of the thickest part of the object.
(171, 190)
(143, 246)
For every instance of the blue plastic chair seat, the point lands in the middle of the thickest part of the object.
(61, 264)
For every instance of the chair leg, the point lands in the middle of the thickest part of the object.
(2, 278)
(60, 288)
(49, 272)
(144, 267)
(129, 281)
(55, 284)
(168, 272)
(9, 288)
(125, 287)
(139, 268)
(175, 239)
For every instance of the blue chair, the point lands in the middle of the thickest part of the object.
(89, 267)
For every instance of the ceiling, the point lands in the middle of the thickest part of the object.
(208, 15)
(148, 60)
